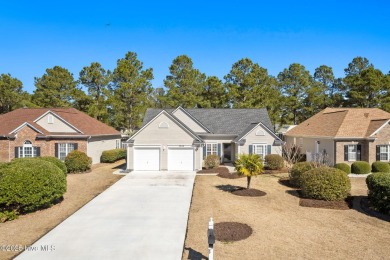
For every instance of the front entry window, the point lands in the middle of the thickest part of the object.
(260, 149)
(352, 151)
(211, 149)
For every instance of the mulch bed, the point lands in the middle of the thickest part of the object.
(222, 172)
(249, 192)
(231, 231)
(339, 205)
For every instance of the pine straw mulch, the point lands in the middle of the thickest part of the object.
(231, 231)
(241, 191)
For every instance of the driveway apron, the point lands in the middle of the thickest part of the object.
(142, 216)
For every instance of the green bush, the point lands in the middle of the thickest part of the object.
(344, 167)
(380, 167)
(211, 161)
(297, 170)
(360, 167)
(113, 155)
(274, 161)
(379, 191)
(57, 162)
(325, 183)
(8, 216)
(77, 161)
(27, 185)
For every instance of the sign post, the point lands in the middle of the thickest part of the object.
(211, 239)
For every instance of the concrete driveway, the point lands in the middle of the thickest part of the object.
(142, 216)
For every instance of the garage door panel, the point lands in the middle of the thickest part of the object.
(181, 159)
(146, 159)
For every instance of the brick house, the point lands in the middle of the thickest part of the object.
(345, 135)
(31, 132)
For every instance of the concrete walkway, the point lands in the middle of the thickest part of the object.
(142, 216)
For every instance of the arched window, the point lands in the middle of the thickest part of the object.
(163, 125)
(260, 132)
(27, 150)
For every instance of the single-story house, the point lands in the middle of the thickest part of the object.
(179, 139)
(31, 132)
(345, 135)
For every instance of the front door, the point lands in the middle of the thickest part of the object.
(227, 153)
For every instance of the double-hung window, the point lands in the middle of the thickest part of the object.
(383, 153)
(211, 149)
(260, 149)
(27, 150)
(352, 152)
(64, 149)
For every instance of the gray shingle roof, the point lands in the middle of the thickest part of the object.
(222, 120)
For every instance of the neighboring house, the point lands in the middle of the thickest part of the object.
(31, 132)
(283, 129)
(345, 135)
(179, 139)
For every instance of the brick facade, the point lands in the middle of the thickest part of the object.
(7, 147)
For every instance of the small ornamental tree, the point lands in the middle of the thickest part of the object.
(249, 165)
(291, 154)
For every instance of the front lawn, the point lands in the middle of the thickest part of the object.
(281, 228)
(81, 188)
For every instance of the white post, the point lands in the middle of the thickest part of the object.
(211, 239)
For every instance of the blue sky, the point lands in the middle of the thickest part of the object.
(37, 35)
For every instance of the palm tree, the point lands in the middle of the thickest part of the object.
(249, 165)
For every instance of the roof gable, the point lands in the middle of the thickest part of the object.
(190, 121)
(59, 125)
(223, 121)
(173, 119)
(342, 123)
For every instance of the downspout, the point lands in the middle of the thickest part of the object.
(9, 149)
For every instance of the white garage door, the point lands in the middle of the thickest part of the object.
(146, 159)
(180, 159)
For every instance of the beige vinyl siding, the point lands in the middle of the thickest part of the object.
(173, 135)
(57, 126)
(188, 121)
(96, 145)
(268, 139)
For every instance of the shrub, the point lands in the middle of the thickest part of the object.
(274, 161)
(344, 167)
(297, 170)
(27, 185)
(325, 183)
(360, 167)
(57, 162)
(77, 161)
(8, 216)
(113, 155)
(211, 161)
(380, 167)
(379, 191)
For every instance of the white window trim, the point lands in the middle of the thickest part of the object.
(352, 160)
(264, 145)
(22, 150)
(50, 119)
(67, 149)
(388, 153)
(260, 132)
(211, 150)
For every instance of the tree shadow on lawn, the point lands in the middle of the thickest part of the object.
(120, 166)
(229, 188)
(194, 255)
(362, 205)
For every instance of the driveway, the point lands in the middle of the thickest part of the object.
(142, 216)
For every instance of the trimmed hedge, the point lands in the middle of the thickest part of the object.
(113, 155)
(360, 167)
(57, 162)
(344, 167)
(325, 183)
(274, 161)
(380, 167)
(28, 185)
(379, 191)
(77, 161)
(211, 161)
(297, 170)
